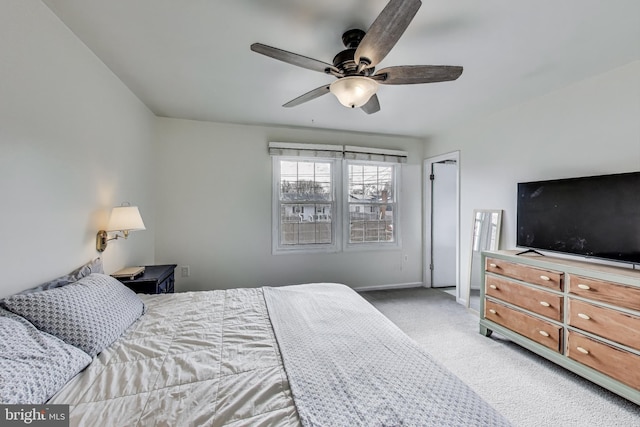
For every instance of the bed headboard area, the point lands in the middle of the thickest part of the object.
(93, 266)
(37, 277)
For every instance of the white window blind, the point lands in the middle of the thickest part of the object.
(348, 152)
(305, 150)
(374, 154)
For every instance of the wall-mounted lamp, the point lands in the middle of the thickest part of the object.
(123, 219)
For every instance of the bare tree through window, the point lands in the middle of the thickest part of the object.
(306, 202)
(371, 203)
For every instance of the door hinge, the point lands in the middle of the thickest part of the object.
(432, 177)
(431, 267)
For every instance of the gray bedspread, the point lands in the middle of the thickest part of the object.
(348, 365)
(195, 359)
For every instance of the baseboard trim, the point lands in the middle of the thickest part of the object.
(388, 287)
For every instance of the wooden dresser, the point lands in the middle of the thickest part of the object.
(583, 316)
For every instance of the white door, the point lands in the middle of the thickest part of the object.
(443, 223)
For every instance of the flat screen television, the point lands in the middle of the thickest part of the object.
(595, 216)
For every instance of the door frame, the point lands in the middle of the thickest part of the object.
(427, 209)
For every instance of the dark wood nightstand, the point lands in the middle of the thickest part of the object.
(156, 279)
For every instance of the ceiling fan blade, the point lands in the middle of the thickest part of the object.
(322, 90)
(293, 58)
(385, 31)
(414, 74)
(372, 106)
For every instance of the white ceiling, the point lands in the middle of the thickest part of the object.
(190, 58)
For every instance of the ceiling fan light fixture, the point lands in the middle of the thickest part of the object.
(354, 91)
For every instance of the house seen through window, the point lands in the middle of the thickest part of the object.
(331, 197)
(371, 201)
(306, 202)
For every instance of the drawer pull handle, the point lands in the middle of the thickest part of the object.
(584, 316)
(493, 286)
(582, 350)
(492, 265)
(544, 334)
(585, 287)
(545, 304)
(492, 311)
(545, 278)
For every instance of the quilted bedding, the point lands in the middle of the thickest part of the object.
(348, 365)
(194, 359)
(213, 359)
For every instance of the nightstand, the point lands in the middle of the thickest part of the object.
(156, 279)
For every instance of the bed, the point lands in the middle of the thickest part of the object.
(310, 355)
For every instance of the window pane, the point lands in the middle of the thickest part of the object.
(371, 223)
(371, 203)
(305, 224)
(384, 184)
(356, 187)
(356, 192)
(371, 183)
(323, 232)
(289, 233)
(305, 180)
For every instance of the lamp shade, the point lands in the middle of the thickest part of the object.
(125, 218)
(354, 91)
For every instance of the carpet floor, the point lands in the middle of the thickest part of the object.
(525, 388)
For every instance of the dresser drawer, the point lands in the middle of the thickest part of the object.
(619, 364)
(536, 329)
(601, 290)
(548, 278)
(614, 325)
(541, 302)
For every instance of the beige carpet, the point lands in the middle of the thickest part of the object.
(525, 388)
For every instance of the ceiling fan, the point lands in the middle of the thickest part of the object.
(357, 80)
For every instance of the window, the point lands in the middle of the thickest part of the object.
(371, 199)
(306, 203)
(311, 200)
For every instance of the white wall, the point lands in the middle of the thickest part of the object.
(74, 142)
(589, 128)
(211, 179)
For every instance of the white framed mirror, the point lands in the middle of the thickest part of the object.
(485, 236)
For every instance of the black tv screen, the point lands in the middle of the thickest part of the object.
(595, 216)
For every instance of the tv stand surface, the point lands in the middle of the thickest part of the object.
(581, 315)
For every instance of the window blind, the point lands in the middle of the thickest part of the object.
(348, 152)
(305, 150)
(374, 154)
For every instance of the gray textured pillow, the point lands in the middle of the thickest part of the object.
(33, 364)
(89, 314)
(93, 266)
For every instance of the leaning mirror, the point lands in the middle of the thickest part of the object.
(485, 237)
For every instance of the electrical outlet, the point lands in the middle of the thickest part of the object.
(185, 271)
